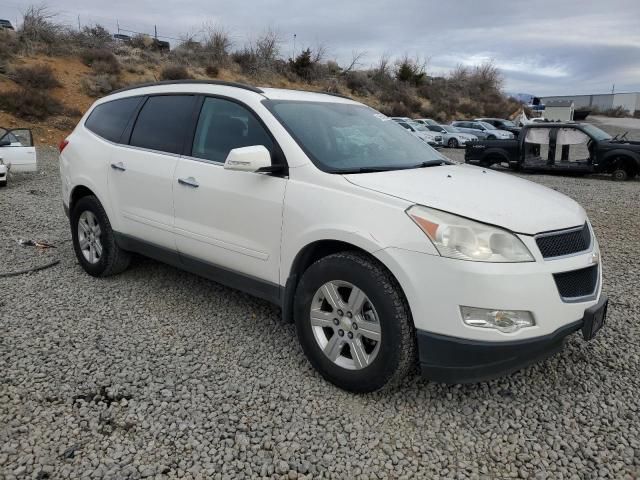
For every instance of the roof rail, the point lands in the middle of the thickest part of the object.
(333, 94)
(178, 82)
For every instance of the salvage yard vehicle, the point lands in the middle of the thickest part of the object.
(451, 136)
(482, 130)
(502, 124)
(17, 153)
(420, 131)
(427, 122)
(6, 24)
(382, 252)
(575, 148)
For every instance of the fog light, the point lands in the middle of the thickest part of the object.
(502, 320)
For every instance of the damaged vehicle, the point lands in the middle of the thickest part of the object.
(17, 152)
(573, 148)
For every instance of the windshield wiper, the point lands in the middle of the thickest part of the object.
(431, 163)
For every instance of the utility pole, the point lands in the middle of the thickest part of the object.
(155, 30)
(613, 89)
(118, 26)
(294, 47)
(79, 28)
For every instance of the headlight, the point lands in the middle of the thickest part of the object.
(464, 239)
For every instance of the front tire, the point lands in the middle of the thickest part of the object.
(93, 239)
(452, 143)
(353, 323)
(620, 174)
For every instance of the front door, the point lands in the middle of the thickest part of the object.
(140, 174)
(227, 218)
(20, 152)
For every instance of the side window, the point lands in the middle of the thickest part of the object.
(224, 125)
(476, 126)
(109, 120)
(19, 137)
(162, 123)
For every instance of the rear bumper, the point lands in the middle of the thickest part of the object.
(458, 360)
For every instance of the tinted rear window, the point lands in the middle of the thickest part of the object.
(162, 123)
(110, 119)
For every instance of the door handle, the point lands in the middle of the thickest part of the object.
(118, 166)
(189, 182)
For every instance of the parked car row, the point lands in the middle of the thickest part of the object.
(459, 132)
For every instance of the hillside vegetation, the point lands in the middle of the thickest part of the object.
(50, 74)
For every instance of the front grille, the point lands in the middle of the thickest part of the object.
(566, 242)
(577, 283)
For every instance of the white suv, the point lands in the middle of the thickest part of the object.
(384, 253)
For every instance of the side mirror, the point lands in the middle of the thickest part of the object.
(249, 159)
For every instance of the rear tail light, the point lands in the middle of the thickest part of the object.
(63, 145)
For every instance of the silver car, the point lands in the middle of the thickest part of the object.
(420, 131)
(451, 136)
(482, 130)
(427, 122)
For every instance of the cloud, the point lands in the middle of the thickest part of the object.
(544, 46)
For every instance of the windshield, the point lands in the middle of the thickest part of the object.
(341, 137)
(595, 132)
(418, 126)
(488, 126)
(450, 129)
(508, 123)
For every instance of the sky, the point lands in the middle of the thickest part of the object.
(542, 47)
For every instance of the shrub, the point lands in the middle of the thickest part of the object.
(174, 72)
(30, 104)
(106, 60)
(102, 67)
(101, 84)
(96, 37)
(35, 76)
(410, 71)
(212, 70)
(303, 64)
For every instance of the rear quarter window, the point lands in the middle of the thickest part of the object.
(162, 123)
(108, 120)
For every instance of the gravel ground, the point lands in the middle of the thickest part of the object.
(159, 373)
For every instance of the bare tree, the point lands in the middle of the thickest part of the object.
(356, 58)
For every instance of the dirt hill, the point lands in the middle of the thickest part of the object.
(50, 75)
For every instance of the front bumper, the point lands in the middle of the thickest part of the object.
(458, 360)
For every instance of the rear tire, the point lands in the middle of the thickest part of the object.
(620, 174)
(327, 322)
(3, 184)
(94, 242)
(452, 143)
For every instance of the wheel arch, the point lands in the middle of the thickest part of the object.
(77, 193)
(308, 255)
(628, 159)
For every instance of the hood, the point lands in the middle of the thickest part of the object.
(480, 194)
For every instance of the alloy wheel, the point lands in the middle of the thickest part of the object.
(345, 325)
(89, 237)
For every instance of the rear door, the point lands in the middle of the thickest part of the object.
(227, 218)
(141, 170)
(20, 153)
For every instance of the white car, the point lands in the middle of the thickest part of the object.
(17, 153)
(482, 130)
(384, 254)
(420, 131)
(451, 136)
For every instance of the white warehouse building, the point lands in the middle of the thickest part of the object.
(628, 101)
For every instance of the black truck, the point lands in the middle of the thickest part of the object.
(575, 148)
